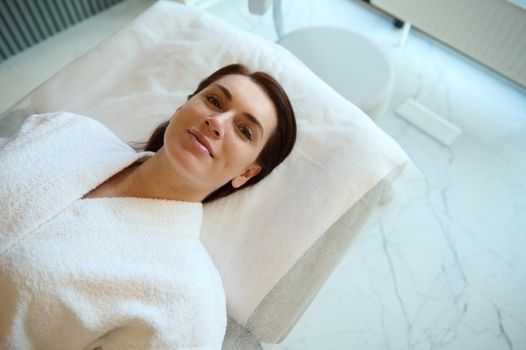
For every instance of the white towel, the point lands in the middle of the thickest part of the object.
(121, 273)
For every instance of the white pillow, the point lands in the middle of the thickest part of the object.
(136, 79)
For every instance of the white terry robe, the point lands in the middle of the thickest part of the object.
(97, 273)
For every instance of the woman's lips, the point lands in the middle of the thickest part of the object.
(201, 141)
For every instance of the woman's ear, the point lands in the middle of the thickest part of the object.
(249, 173)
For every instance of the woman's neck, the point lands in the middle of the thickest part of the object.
(155, 178)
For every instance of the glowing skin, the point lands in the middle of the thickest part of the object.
(232, 117)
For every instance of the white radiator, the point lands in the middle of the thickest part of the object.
(492, 32)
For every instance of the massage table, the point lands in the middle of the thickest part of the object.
(300, 221)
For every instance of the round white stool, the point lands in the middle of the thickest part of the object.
(350, 63)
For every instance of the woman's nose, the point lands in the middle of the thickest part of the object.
(216, 125)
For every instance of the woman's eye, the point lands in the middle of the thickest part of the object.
(214, 100)
(247, 133)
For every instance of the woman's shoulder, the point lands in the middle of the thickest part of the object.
(55, 150)
(59, 125)
(52, 121)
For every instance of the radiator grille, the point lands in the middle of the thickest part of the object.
(24, 23)
(492, 32)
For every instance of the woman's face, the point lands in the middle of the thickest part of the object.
(216, 136)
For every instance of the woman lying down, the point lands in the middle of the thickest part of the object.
(99, 244)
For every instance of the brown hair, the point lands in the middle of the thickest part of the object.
(278, 146)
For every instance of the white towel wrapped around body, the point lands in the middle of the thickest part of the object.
(120, 273)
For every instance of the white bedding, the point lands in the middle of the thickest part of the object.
(137, 78)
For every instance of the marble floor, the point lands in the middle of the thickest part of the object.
(446, 270)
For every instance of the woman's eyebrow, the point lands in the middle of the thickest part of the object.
(224, 89)
(249, 116)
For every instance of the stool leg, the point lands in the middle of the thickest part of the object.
(278, 18)
(405, 33)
